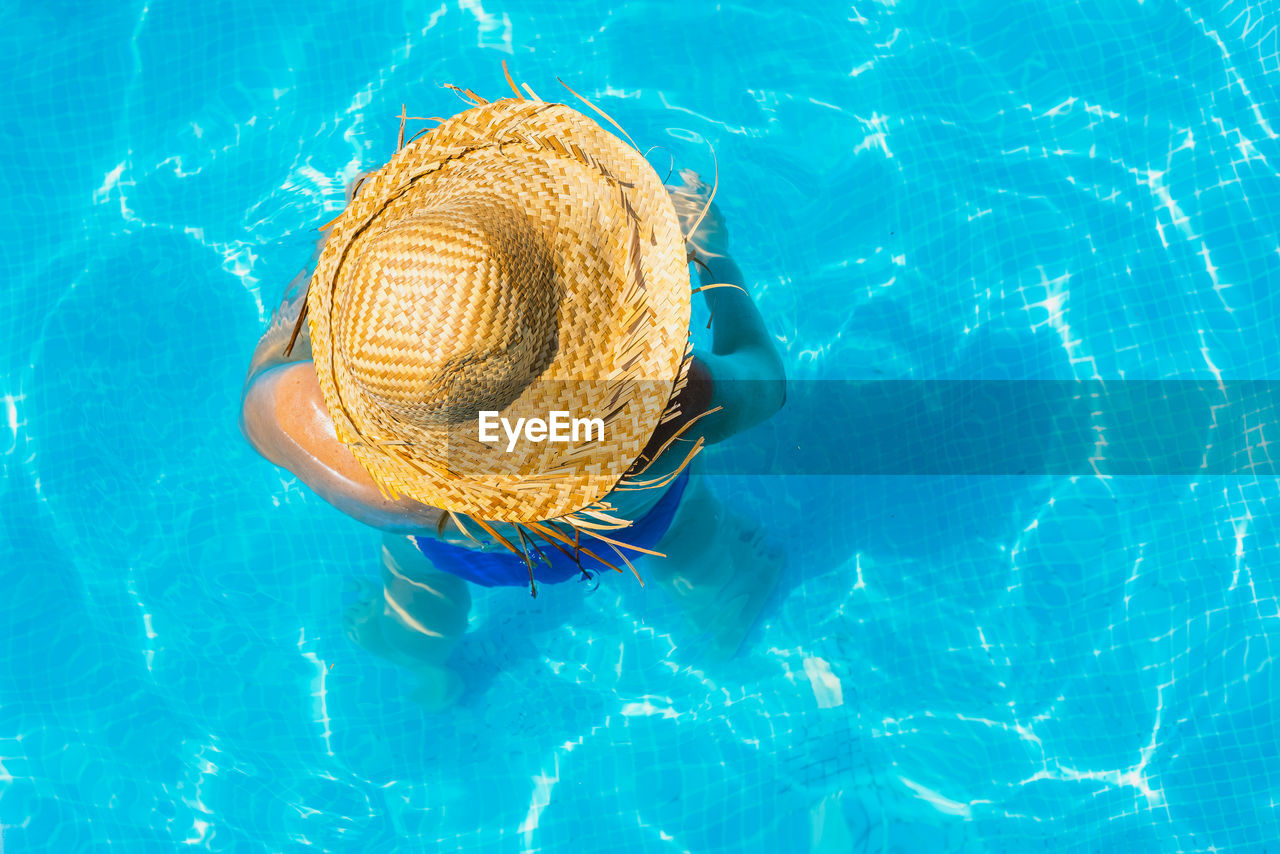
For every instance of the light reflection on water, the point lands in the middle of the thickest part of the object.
(915, 191)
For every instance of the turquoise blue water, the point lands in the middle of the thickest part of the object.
(915, 190)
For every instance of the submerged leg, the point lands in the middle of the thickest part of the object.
(415, 620)
(719, 566)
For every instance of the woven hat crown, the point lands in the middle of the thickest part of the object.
(515, 259)
(449, 311)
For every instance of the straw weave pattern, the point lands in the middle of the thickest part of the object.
(516, 258)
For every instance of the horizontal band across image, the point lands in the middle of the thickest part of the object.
(979, 427)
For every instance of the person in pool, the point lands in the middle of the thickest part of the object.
(719, 567)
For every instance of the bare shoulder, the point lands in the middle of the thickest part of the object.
(283, 415)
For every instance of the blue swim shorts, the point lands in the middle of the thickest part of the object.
(492, 569)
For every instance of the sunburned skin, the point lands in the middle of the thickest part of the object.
(285, 417)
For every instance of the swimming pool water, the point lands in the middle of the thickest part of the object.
(916, 190)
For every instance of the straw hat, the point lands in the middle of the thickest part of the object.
(516, 258)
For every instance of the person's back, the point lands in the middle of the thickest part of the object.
(713, 563)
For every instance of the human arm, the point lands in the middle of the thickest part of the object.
(270, 351)
(284, 417)
(745, 370)
(271, 348)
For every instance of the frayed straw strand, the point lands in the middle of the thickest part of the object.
(457, 520)
(547, 529)
(576, 558)
(491, 531)
(675, 436)
(466, 95)
(619, 543)
(693, 258)
(297, 327)
(671, 168)
(524, 544)
(631, 484)
(628, 563)
(510, 82)
(606, 116)
(702, 288)
(715, 183)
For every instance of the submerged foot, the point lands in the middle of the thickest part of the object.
(439, 686)
(362, 621)
(757, 562)
(725, 601)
